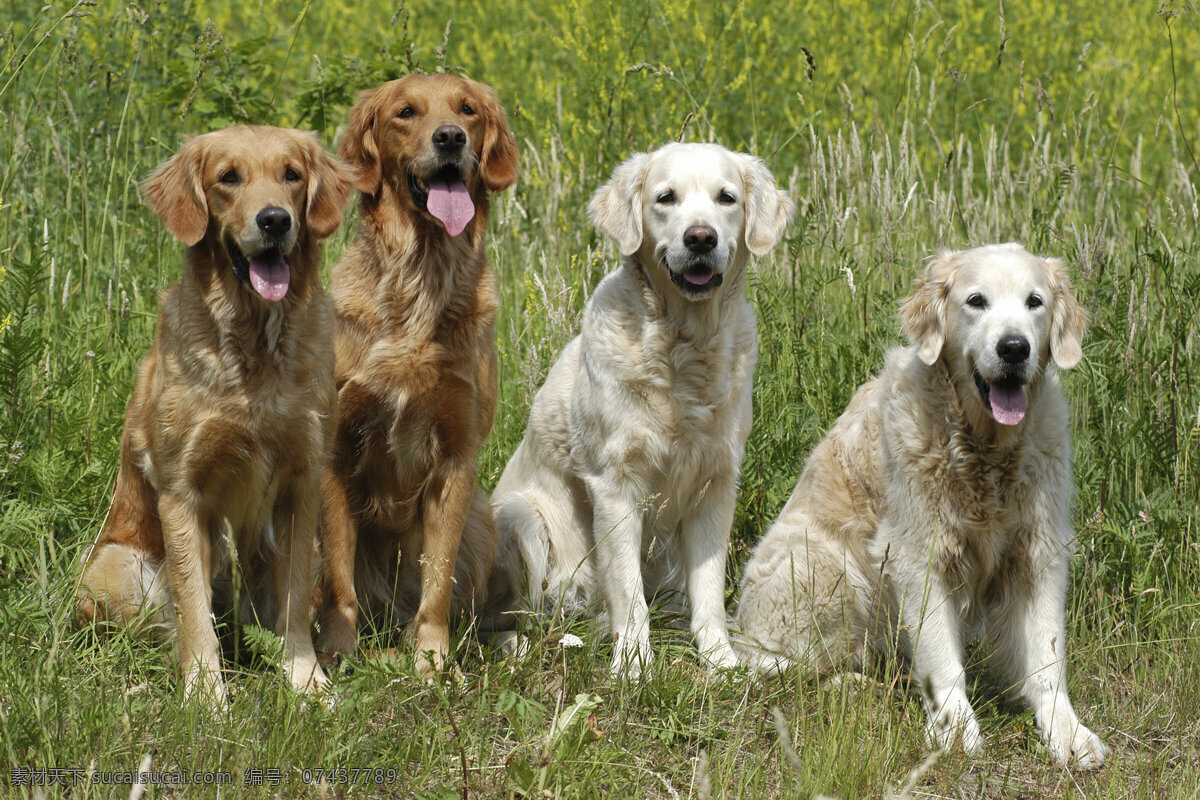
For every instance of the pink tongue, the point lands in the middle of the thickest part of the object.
(451, 203)
(1008, 403)
(698, 278)
(270, 277)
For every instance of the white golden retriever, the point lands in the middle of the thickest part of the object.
(625, 482)
(939, 504)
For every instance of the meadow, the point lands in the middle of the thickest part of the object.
(899, 127)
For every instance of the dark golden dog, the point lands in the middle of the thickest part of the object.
(229, 427)
(406, 530)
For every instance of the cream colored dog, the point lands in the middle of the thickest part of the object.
(625, 482)
(940, 502)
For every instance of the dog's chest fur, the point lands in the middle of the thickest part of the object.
(236, 420)
(975, 482)
(682, 404)
(415, 337)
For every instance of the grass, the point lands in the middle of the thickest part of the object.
(900, 127)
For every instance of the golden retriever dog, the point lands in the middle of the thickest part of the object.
(230, 425)
(407, 533)
(625, 483)
(938, 505)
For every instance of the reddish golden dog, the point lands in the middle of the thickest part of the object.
(406, 531)
(229, 427)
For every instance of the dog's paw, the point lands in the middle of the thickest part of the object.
(431, 663)
(207, 688)
(338, 637)
(721, 658)
(306, 675)
(1072, 743)
(631, 659)
(512, 644)
(954, 721)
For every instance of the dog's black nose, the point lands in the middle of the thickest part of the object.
(274, 220)
(700, 239)
(1013, 349)
(449, 137)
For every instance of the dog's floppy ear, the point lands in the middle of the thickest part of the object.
(359, 148)
(1068, 320)
(767, 209)
(616, 207)
(924, 312)
(175, 192)
(329, 185)
(498, 155)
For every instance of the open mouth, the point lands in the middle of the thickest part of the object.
(445, 197)
(1005, 399)
(697, 279)
(269, 273)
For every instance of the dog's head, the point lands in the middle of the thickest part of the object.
(440, 141)
(998, 315)
(692, 210)
(258, 192)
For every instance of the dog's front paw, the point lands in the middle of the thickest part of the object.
(721, 658)
(204, 685)
(952, 721)
(1071, 742)
(338, 636)
(306, 675)
(631, 658)
(431, 663)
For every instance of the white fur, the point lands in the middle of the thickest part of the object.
(919, 514)
(625, 483)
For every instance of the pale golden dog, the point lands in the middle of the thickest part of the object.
(229, 427)
(939, 505)
(625, 484)
(406, 530)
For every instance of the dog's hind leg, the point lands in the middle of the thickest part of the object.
(122, 580)
(803, 599)
(123, 585)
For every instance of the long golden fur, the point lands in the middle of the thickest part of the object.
(939, 505)
(228, 430)
(406, 530)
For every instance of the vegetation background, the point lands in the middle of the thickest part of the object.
(899, 127)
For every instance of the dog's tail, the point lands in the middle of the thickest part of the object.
(523, 554)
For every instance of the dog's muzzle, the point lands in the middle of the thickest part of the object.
(1003, 397)
(698, 278)
(445, 197)
(268, 271)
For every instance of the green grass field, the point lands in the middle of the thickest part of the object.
(899, 128)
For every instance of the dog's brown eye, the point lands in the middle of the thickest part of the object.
(666, 198)
(466, 109)
(407, 112)
(229, 177)
(976, 301)
(726, 198)
(1034, 302)
(291, 175)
